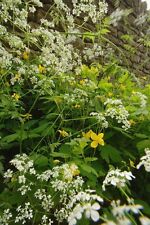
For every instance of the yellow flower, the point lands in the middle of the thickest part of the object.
(110, 94)
(132, 122)
(82, 82)
(88, 134)
(41, 69)
(25, 55)
(77, 106)
(63, 133)
(97, 139)
(17, 77)
(15, 96)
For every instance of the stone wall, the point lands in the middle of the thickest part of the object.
(138, 56)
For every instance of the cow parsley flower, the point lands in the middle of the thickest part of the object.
(119, 210)
(145, 160)
(5, 217)
(142, 98)
(24, 213)
(22, 163)
(116, 110)
(8, 174)
(117, 178)
(89, 210)
(144, 220)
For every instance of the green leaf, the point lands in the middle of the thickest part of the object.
(40, 160)
(104, 31)
(10, 138)
(61, 155)
(143, 144)
(141, 135)
(90, 159)
(40, 128)
(88, 169)
(109, 153)
(1, 168)
(89, 35)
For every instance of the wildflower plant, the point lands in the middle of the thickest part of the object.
(69, 113)
(57, 194)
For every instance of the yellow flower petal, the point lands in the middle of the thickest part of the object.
(100, 135)
(94, 136)
(94, 144)
(101, 142)
(88, 134)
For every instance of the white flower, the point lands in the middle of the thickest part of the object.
(21, 179)
(24, 213)
(120, 210)
(75, 215)
(91, 211)
(142, 99)
(117, 178)
(144, 220)
(8, 174)
(5, 217)
(145, 160)
(116, 110)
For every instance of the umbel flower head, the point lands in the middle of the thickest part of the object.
(145, 160)
(97, 139)
(117, 178)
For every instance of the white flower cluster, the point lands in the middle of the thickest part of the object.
(119, 210)
(144, 220)
(56, 54)
(121, 213)
(91, 11)
(88, 209)
(23, 164)
(46, 200)
(85, 206)
(5, 58)
(24, 213)
(63, 181)
(145, 160)
(46, 220)
(117, 15)
(92, 53)
(101, 119)
(142, 99)
(4, 219)
(117, 178)
(116, 110)
(77, 96)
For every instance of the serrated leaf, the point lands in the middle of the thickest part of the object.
(109, 153)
